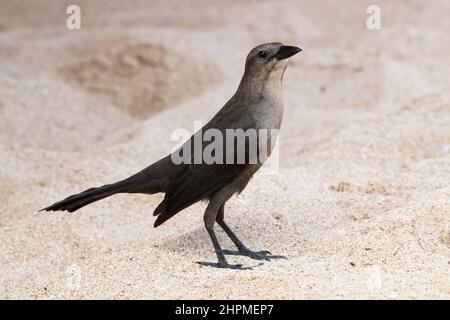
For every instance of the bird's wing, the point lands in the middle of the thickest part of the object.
(200, 181)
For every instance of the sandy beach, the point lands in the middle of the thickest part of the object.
(360, 204)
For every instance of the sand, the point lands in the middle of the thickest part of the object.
(360, 204)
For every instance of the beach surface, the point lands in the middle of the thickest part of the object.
(360, 203)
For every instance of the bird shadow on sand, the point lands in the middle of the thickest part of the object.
(256, 255)
(230, 266)
(197, 243)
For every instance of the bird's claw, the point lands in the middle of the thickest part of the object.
(224, 265)
(255, 255)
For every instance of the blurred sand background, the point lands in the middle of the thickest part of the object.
(360, 205)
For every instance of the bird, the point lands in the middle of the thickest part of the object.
(256, 105)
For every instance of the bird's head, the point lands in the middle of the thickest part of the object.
(269, 60)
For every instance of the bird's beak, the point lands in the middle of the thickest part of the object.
(286, 52)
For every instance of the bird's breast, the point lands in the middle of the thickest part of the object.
(269, 114)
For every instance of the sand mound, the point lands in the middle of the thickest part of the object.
(142, 79)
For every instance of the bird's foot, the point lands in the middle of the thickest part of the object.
(256, 255)
(224, 265)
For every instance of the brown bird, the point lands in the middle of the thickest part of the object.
(257, 105)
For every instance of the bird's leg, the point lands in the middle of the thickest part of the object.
(243, 250)
(210, 218)
(221, 221)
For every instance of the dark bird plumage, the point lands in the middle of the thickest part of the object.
(257, 104)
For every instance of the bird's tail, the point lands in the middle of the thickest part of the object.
(151, 180)
(79, 200)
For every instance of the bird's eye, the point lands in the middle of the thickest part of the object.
(262, 54)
